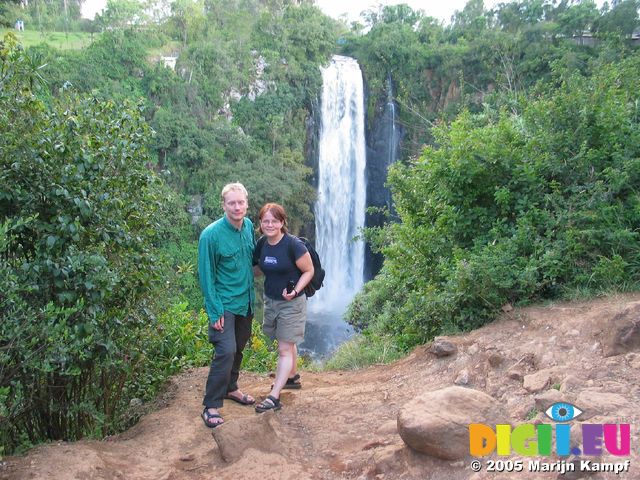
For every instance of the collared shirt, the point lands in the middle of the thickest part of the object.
(224, 268)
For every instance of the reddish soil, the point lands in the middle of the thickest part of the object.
(344, 424)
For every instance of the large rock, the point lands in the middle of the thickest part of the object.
(256, 432)
(538, 381)
(622, 333)
(437, 423)
(545, 399)
(441, 347)
(596, 402)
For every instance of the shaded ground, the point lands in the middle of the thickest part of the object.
(343, 424)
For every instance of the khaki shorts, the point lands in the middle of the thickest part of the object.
(285, 320)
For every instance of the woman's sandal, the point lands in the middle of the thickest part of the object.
(269, 403)
(207, 417)
(293, 383)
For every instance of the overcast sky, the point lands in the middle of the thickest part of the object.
(441, 9)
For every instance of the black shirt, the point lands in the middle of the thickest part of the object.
(278, 265)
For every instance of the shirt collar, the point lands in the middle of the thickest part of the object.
(230, 225)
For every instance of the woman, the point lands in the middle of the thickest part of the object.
(288, 268)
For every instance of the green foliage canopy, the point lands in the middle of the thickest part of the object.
(80, 218)
(514, 207)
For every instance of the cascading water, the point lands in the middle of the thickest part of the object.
(340, 208)
(393, 134)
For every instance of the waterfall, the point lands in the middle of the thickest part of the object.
(393, 135)
(340, 207)
(393, 140)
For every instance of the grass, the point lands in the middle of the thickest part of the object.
(362, 351)
(533, 413)
(59, 40)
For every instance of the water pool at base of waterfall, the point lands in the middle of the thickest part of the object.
(325, 332)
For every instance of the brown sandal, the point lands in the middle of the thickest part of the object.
(244, 400)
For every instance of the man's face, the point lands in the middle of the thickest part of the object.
(235, 206)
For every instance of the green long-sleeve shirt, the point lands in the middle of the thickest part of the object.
(224, 268)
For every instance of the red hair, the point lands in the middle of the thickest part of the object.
(278, 213)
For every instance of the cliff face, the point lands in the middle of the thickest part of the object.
(311, 154)
(384, 136)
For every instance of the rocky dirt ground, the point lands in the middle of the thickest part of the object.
(343, 425)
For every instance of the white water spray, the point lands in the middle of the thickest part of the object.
(340, 208)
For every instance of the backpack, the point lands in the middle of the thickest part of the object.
(318, 272)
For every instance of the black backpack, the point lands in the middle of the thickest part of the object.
(318, 272)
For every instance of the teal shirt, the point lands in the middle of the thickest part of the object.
(224, 268)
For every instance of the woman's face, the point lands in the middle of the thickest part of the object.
(270, 225)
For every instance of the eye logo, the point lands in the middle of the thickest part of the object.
(562, 412)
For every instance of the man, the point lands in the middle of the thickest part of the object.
(226, 279)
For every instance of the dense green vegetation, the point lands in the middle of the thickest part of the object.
(101, 150)
(81, 220)
(45, 15)
(513, 207)
(58, 40)
(517, 182)
(482, 57)
(236, 105)
(530, 192)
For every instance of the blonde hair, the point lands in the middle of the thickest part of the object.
(234, 187)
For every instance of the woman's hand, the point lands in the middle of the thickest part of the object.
(289, 296)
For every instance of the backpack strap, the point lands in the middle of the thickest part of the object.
(258, 250)
(292, 253)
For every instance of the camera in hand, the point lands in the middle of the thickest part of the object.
(290, 286)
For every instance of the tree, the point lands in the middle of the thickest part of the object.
(188, 16)
(577, 19)
(80, 218)
(513, 207)
(621, 20)
(10, 11)
(120, 13)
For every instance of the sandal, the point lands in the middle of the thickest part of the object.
(269, 403)
(293, 383)
(244, 400)
(207, 417)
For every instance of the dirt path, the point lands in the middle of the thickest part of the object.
(344, 424)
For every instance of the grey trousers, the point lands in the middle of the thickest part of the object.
(227, 357)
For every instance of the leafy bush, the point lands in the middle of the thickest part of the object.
(514, 207)
(180, 340)
(80, 218)
(261, 353)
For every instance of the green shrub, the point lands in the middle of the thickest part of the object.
(513, 207)
(80, 279)
(261, 353)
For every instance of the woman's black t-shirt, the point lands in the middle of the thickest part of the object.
(277, 264)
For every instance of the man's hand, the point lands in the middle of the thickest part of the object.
(219, 325)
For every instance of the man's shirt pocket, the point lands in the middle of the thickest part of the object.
(229, 259)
